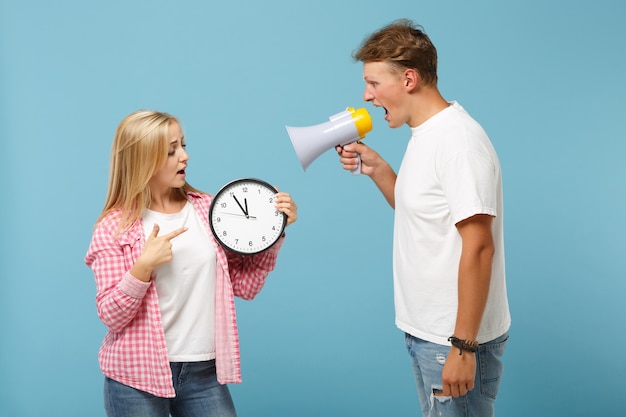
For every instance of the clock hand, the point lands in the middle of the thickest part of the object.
(240, 206)
(237, 215)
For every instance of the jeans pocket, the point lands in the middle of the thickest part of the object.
(490, 365)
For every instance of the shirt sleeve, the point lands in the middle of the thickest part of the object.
(248, 273)
(469, 181)
(119, 295)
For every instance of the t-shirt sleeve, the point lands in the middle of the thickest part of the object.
(469, 182)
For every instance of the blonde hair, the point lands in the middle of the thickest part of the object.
(139, 149)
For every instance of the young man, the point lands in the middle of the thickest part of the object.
(448, 253)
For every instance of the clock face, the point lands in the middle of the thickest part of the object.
(243, 217)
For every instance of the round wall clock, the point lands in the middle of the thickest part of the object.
(243, 217)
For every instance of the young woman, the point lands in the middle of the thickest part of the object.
(165, 287)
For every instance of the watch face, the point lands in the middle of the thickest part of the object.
(243, 217)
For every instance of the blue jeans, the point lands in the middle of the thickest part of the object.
(428, 360)
(198, 394)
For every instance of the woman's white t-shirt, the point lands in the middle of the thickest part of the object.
(186, 286)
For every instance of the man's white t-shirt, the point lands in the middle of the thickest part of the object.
(450, 172)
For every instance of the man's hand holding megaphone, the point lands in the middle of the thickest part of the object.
(353, 154)
(372, 165)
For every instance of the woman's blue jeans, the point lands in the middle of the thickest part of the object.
(198, 394)
(428, 360)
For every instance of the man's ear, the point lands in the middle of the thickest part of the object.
(411, 79)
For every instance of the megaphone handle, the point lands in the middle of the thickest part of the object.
(357, 170)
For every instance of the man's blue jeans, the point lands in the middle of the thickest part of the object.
(198, 394)
(428, 360)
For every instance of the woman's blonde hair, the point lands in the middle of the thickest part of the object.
(139, 149)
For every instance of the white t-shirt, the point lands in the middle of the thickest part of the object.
(186, 286)
(450, 172)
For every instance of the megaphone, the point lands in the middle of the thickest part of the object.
(342, 128)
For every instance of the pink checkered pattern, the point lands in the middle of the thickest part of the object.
(134, 351)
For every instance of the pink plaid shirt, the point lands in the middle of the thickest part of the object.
(134, 351)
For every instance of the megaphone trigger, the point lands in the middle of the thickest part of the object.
(357, 170)
(348, 126)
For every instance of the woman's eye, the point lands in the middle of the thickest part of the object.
(172, 151)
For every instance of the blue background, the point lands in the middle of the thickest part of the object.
(545, 78)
